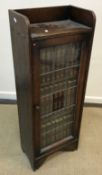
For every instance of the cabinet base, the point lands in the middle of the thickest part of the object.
(37, 163)
(71, 147)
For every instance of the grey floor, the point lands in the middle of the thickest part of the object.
(87, 160)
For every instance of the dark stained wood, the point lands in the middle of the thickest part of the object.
(36, 96)
(53, 41)
(88, 18)
(23, 77)
(71, 147)
(45, 14)
(27, 40)
(43, 30)
(58, 148)
(83, 16)
(80, 88)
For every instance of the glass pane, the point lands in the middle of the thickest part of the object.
(58, 78)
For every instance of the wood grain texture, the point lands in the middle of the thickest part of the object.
(45, 14)
(68, 27)
(23, 77)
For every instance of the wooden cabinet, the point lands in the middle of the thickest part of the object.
(51, 52)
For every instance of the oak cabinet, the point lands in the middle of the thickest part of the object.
(51, 51)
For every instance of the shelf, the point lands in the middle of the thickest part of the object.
(42, 30)
(59, 76)
(64, 140)
(58, 111)
(62, 69)
(57, 87)
(57, 91)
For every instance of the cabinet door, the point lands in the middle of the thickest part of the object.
(56, 72)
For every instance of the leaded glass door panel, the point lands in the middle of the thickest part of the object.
(59, 70)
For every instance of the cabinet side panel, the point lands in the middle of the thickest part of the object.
(83, 16)
(23, 78)
(45, 14)
(88, 18)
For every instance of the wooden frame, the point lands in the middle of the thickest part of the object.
(26, 65)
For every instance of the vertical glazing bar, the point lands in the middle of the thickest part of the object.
(36, 98)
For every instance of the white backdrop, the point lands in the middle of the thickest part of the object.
(7, 83)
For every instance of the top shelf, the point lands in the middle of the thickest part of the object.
(45, 29)
(52, 21)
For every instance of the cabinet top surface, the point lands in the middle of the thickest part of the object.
(43, 30)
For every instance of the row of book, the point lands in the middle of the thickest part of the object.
(71, 96)
(57, 57)
(58, 72)
(57, 87)
(50, 103)
(58, 100)
(55, 130)
(52, 137)
(57, 126)
(58, 76)
(55, 121)
(54, 88)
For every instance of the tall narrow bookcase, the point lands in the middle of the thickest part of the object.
(51, 51)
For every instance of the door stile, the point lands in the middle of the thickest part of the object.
(36, 96)
(84, 64)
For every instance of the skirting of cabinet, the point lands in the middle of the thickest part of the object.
(73, 146)
(8, 101)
